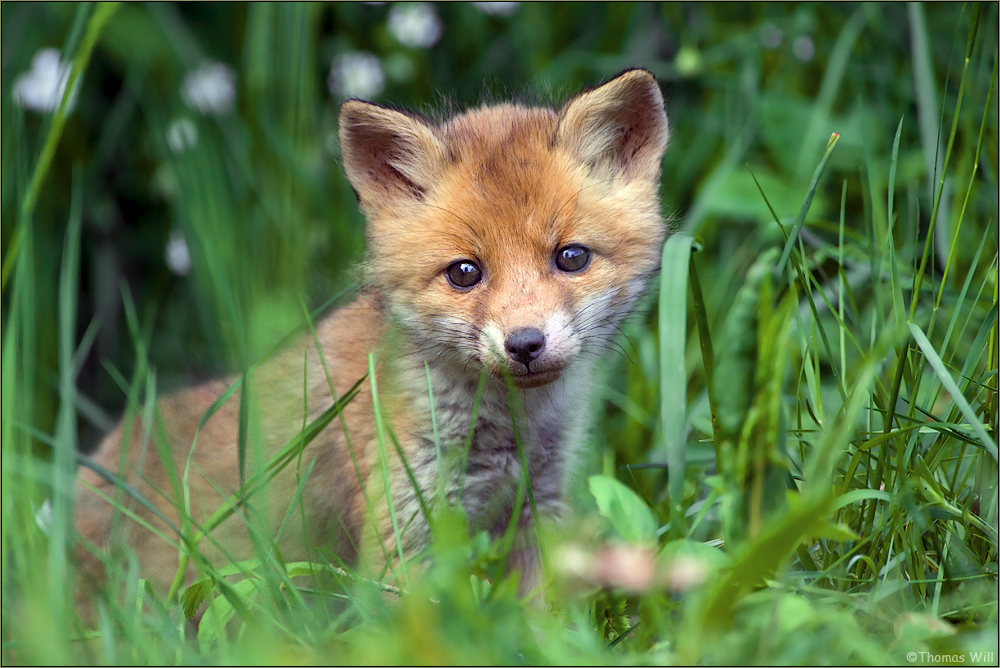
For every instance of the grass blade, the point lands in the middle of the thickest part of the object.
(673, 376)
(800, 219)
(918, 278)
(949, 384)
(104, 12)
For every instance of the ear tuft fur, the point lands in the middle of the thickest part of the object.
(619, 128)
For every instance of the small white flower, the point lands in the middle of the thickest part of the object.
(625, 567)
(210, 89)
(177, 256)
(770, 35)
(497, 8)
(684, 573)
(803, 48)
(356, 74)
(42, 87)
(609, 567)
(182, 134)
(43, 516)
(415, 24)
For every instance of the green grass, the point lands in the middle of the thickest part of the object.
(796, 451)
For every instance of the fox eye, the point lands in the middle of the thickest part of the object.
(463, 274)
(573, 258)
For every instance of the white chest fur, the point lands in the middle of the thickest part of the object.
(539, 429)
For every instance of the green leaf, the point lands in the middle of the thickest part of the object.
(627, 512)
(213, 623)
(763, 555)
(711, 558)
(835, 531)
(194, 595)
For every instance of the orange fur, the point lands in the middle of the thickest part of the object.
(504, 187)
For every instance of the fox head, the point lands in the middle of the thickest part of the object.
(508, 237)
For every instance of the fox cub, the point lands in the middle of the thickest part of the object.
(505, 246)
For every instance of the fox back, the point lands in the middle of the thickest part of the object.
(505, 247)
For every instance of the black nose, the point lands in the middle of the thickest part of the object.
(525, 344)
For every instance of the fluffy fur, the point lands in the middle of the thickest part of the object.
(504, 186)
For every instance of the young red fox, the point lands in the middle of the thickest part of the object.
(505, 244)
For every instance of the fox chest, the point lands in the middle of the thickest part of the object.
(485, 456)
(486, 472)
(502, 466)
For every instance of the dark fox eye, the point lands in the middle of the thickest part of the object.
(572, 258)
(463, 274)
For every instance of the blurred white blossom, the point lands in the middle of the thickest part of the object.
(210, 89)
(622, 566)
(356, 74)
(415, 24)
(177, 255)
(683, 573)
(803, 49)
(497, 8)
(182, 134)
(42, 87)
(770, 35)
(625, 567)
(630, 568)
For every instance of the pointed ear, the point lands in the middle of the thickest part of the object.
(387, 154)
(619, 128)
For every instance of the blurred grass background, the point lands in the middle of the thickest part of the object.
(167, 224)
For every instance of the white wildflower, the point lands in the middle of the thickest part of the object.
(609, 567)
(177, 255)
(684, 573)
(576, 562)
(803, 49)
(770, 35)
(182, 134)
(625, 567)
(497, 8)
(415, 24)
(356, 74)
(210, 89)
(926, 625)
(42, 87)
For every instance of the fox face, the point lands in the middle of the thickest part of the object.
(510, 238)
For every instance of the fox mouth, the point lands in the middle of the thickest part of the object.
(527, 378)
(532, 379)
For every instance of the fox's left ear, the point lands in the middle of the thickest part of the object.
(619, 128)
(390, 157)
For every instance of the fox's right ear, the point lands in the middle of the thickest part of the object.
(387, 154)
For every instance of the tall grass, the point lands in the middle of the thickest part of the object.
(794, 460)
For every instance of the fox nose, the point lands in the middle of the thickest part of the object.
(525, 344)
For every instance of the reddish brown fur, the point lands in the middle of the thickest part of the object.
(503, 186)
